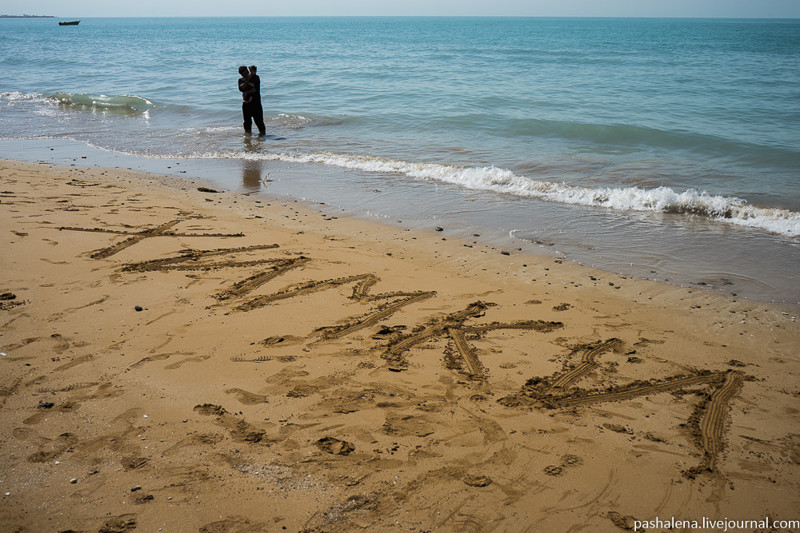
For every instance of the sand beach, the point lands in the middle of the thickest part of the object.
(177, 357)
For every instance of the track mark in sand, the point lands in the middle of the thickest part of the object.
(119, 524)
(712, 425)
(236, 524)
(264, 359)
(238, 429)
(46, 409)
(247, 398)
(553, 470)
(54, 448)
(259, 359)
(73, 363)
(538, 392)
(630, 392)
(403, 425)
(282, 340)
(84, 306)
(133, 462)
(196, 260)
(161, 230)
(72, 387)
(588, 363)
(361, 293)
(492, 431)
(299, 289)
(474, 366)
(247, 285)
(24, 342)
(7, 306)
(141, 362)
(707, 422)
(7, 301)
(401, 343)
(371, 319)
(178, 364)
(453, 326)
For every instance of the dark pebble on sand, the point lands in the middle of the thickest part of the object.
(439, 228)
(505, 253)
(45, 405)
(139, 308)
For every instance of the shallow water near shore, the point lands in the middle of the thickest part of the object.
(670, 249)
(665, 149)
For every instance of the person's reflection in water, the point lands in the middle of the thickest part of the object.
(252, 169)
(251, 174)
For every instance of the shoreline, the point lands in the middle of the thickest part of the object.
(679, 260)
(179, 358)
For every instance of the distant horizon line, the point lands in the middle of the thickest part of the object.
(416, 16)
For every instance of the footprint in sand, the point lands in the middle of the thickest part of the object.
(553, 470)
(567, 460)
(477, 481)
(335, 446)
(247, 398)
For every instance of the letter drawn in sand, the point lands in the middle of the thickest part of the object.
(361, 294)
(196, 260)
(161, 230)
(588, 363)
(708, 420)
(712, 426)
(453, 326)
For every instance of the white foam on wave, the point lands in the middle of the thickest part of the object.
(662, 199)
(290, 121)
(121, 101)
(726, 209)
(18, 96)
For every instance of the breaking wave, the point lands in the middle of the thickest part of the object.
(726, 209)
(120, 102)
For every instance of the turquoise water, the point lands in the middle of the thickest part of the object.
(624, 130)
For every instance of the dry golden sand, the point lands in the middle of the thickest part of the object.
(293, 371)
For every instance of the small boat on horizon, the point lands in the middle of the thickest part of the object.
(69, 23)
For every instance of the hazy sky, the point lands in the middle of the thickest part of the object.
(533, 8)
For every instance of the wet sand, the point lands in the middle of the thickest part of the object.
(182, 359)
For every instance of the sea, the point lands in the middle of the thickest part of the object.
(666, 149)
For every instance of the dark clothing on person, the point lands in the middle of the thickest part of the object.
(255, 81)
(250, 86)
(252, 112)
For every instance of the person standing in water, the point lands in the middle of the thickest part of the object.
(250, 87)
